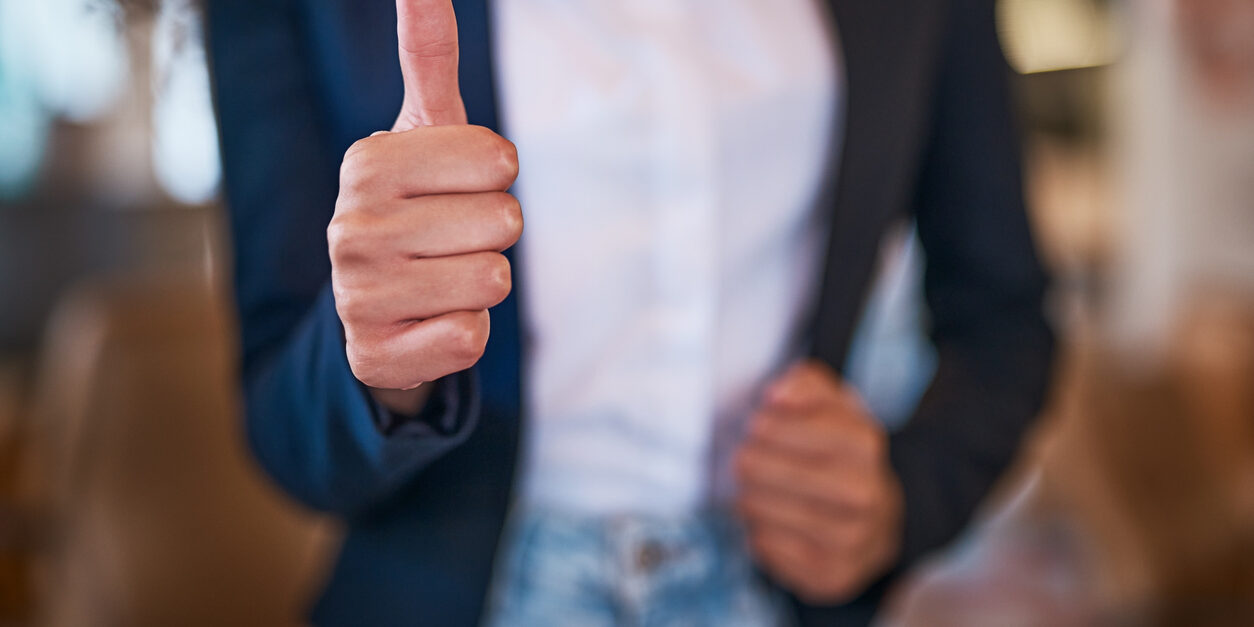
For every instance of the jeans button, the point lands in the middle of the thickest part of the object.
(649, 556)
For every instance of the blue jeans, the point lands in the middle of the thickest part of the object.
(559, 569)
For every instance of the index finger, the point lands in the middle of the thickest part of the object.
(810, 385)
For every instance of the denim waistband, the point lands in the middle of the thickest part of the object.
(566, 568)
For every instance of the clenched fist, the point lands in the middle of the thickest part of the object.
(420, 223)
(821, 502)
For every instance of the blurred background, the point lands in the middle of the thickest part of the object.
(120, 446)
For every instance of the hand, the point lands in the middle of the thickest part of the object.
(420, 223)
(821, 502)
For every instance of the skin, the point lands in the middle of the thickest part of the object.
(415, 243)
(822, 505)
(420, 223)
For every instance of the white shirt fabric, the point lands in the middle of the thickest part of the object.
(672, 153)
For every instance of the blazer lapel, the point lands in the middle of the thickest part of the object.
(889, 48)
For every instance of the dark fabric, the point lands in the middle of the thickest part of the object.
(295, 83)
(316, 428)
(928, 135)
(961, 178)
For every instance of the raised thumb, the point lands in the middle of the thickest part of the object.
(427, 40)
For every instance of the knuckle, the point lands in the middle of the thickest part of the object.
(338, 237)
(356, 169)
(362, 371)
(504, 157)
(509, 160)
(345, 306)
(344, 235)
(354, 151)
(468, 340)
(349, 307)
(496, 276)
(364, 366)
(439, 48)
(376, 364)
(511, 218)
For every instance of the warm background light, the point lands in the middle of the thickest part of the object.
(1052, 35)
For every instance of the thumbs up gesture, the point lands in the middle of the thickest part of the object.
(420, 223)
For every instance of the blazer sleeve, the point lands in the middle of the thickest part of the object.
(313, 427)
(984, 288)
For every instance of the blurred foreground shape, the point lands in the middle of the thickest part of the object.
(147, 508)
(1140, 508)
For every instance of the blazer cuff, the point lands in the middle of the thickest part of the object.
(449, 411)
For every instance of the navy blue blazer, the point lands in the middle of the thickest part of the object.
(928, 136)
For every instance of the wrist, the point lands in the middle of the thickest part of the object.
(402, 402)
